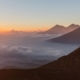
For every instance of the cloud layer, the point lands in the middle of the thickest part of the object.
(29, 50)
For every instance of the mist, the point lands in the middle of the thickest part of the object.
(30, 50)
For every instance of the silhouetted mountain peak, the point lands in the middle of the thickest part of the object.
(60, 29)
(74, 25)
(56, 26)
(59, 26)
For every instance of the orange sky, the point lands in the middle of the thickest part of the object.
(27, 28)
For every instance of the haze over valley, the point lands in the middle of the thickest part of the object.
(29, 50)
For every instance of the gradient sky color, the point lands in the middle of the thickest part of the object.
(30, 15)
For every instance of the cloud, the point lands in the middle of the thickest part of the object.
(20, 57)
(14, 53)
(28, 50)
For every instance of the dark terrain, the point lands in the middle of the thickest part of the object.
(69, 38)
(65, 68)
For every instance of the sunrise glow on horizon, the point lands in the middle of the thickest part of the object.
(34, 15)
(27, 28)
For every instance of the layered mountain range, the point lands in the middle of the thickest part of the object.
(59, 29)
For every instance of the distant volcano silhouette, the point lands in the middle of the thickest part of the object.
(72, 27)
(58, 29)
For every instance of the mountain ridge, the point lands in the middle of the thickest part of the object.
(60, 29)
(72, 37)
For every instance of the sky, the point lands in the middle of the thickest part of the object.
(33, 15)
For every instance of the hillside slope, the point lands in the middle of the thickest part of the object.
(69, 38)
(65, 68)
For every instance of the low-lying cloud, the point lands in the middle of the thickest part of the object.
(20, 57)
(29, 50)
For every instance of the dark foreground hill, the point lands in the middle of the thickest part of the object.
(69, 38)
(65, 68)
